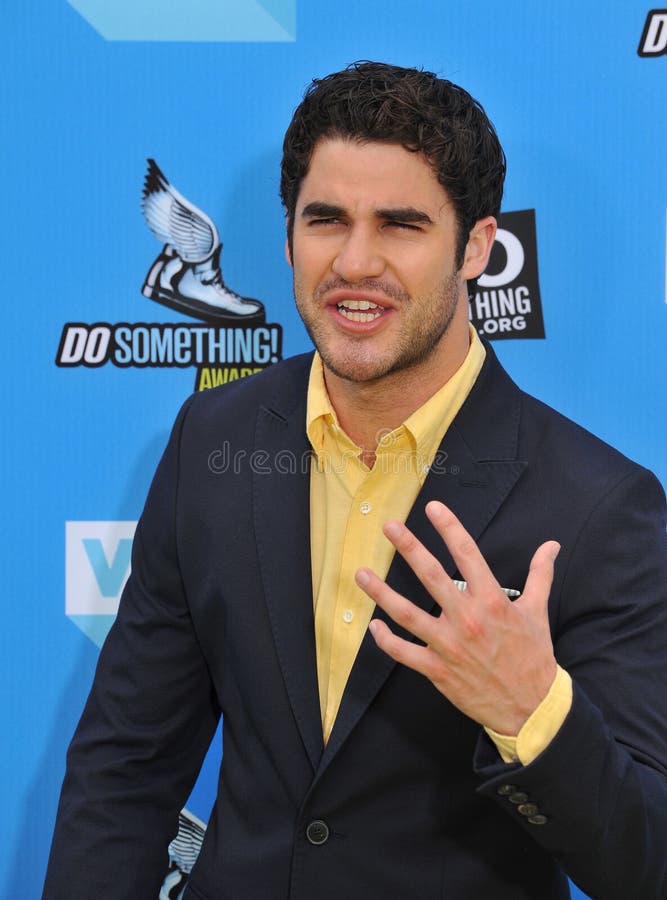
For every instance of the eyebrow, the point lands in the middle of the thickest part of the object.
(407, 214)
(320, 209)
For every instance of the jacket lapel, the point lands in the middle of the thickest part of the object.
(281, 499)
(474, 471)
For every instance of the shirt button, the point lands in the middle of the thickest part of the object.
(365, 508)
(317, 832)
(348, 615)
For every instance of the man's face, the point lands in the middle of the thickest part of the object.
(373, 254)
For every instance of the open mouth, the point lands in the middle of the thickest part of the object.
(359, 310)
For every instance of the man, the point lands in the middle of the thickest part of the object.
(455, 740)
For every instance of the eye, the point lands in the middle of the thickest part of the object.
(324, 222)
(403, 226)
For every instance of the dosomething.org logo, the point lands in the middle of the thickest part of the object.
(653, 41)
(97, 565)
(234, 341)
(507, 301)
(214, 20)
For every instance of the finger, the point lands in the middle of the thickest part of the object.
(425, 566)
(410, 617)
(541, 574)
(465, 552)
(405, 652)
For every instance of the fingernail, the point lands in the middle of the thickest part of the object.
(393, 529)
(373, 627)
(362, 577)
(434, 509)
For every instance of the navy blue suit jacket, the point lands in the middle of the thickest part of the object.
(217, 617)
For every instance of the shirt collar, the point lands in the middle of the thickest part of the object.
(426, 426)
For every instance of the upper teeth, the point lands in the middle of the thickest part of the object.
(358, 304)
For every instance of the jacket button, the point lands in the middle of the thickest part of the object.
(317, 832)
(528, 809)
(506, 789)
(538, 819)
(518, 797)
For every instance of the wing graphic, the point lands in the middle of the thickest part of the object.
(174, 220)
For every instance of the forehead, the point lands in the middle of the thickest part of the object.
(357, 175)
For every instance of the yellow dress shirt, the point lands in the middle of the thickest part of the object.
(349, 503)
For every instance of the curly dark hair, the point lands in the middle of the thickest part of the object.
(371, 101)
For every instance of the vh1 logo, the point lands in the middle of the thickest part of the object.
(97, 565)
(654, 36)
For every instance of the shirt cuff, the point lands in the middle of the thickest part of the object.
(540, 727)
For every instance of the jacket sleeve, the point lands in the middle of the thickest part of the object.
(146, 726)
(596, 798)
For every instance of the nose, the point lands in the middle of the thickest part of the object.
(358, 256)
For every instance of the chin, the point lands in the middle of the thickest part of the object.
(358, 370)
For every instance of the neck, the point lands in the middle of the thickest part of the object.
(366, 410)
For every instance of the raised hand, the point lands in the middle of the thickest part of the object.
(491, 657)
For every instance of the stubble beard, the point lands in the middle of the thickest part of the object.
(413, 346)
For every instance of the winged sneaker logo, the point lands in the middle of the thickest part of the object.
(231, 338)
(186, 276)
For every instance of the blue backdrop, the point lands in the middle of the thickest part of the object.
(206, 88)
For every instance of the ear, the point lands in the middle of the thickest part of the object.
(288, 255)
(478, 248)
